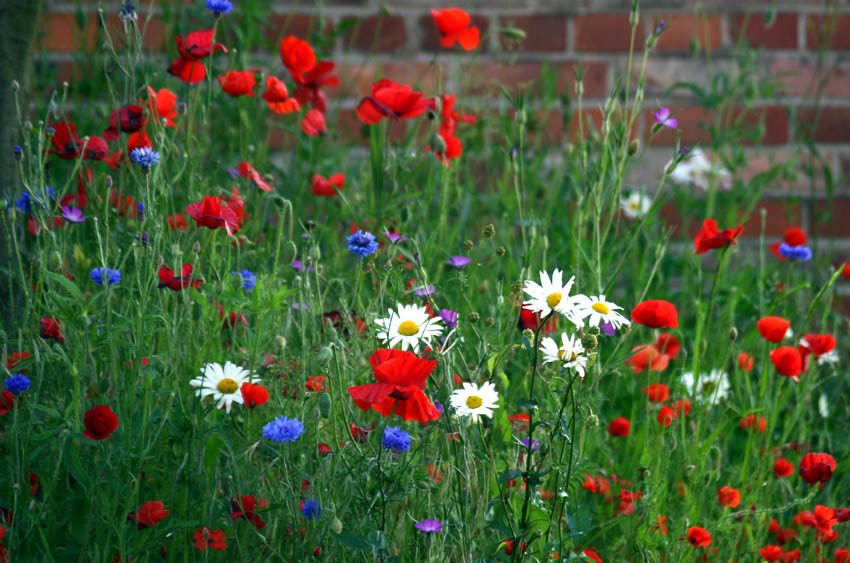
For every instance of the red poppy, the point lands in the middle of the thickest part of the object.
(138, 140)
(657, 392)
(656, 313)
(126, 206)
(163, 104)
(100, 423)
(787, 361)
(313, 123)
(668, 345)
(50, 327)
(209, 539)
(65, 141)
(752, 421)
(589, 552)
(177, 283)
(682, 405)
(529, 320)
(647, 357)
(728, 496)
(212, 214)
(7, 402)
(745, 361)
(253, 395)
(314, 383)
(128, 119)
(773, 329)
(620, 426)
(277, 96)
(53, 223)
(311, 82)
(14, 359)
(248, 171)
(710, 238)
(177, 222)
(230, 321)
(519, 422)
(782, 468)
(197, 45)
(401, 379)
(391, 100)
(297, 55)
(245, 507)
(324, 449)
(817, 344)
(598, 485)
(238, 83)
(79, 199)
(627, 500)
(770, 552)
(816, 467)
(454, 27)
(449, 118)
(665, 416)
(661, 525)
(329, 187)
(698, 537)
(149, 514)
(842, 555)
(360, 433)
(448, 149)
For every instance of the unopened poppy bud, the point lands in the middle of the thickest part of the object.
(501, 250)
(489, 321)
(513, 33)
(325, 355)
(634, 146)
(16, 86)
(107, 182)
(325, 405)
(589, 342)
(28, 126)
(625, 329)
(281, 341)
(332, 333)
(468, 245)
(733, 334)
(289, 252)
(196, 248)
(439, 144)
(336, 526)
(489, 230)
(473, 317)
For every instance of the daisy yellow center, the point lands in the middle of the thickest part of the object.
(474, 401)
(635, 206)
(227, 385)
(408, 328)
(563, 354)
(601, 308)
(553, 299)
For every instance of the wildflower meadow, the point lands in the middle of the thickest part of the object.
(248, 319)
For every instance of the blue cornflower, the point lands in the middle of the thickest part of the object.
(144, 157)
(128, 12)
(396, 439)
(795, 252)
(362, 243)
(283, 429)
(219, 7)
(311, 509)
(105, 276)
(17, 383)
(249, 280)
(24, 204)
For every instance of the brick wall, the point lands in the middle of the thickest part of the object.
(806, 47)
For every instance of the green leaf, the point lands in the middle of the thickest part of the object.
(67, 284)
(213, 447)
(354, 542)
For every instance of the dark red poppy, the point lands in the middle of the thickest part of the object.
(770, 552)
(324, 449)
(100, 423)
(163, 104)
(277, 96)
(209, 539)
(627, 500)
(682, 406)
(245, 507)
(710, 238)
(314, 383)
(773, 329)
(656, 313)
(238, 83)
(401, 379)
(782, 468)
(313, 123)
(787, 361)
(816, 467)
(149, 514)
(297, 55)
(454, 27)
(254, 395)
(126, 206)
(745, 361)
(698, 537)
(177, 222)
(657, 392)
(14, 359)
(65, 141)
(668, 345)
(128, 119)
(620, 426)
(50, 327)
(212, 214)
(79, 199)
(177, 283)
(53, 223)
(7, 402)
(310, 84)
(391, 100)
(529, 320)
(231, 320)
(248, 171)
(360, 433)
(329, 187)
(197, 45)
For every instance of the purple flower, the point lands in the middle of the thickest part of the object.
(458, 261)
(535, 445)
(429, 526)
(395, 237)
(234, 173)
(662, 118)
(439, 406)
(73, 214)
(296, 305)
(449, 317)
(660, 25)
(683, 150)
(424, 291)
(607, 328)
(300, 267)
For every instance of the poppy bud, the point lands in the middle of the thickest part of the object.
(592, 420)
(336, 526)
(16, 86)
(634, 146)
(196, 248)
(733, 334)
(107, 182)
(281, 341)
(325, 405)
(513, 33)
(439, 144)
(468, 245)
(473, 317)
(309, 224)
(325, 355)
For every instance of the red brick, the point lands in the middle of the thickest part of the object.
(681, 227)
(61, 34)
(543, 33)
(379, 34)
(802, 78)
(828, 217)
(278, 26)
(833, 124)
(591, 120)
(781, 214)
(157, 36)
(831, 32)
(692, 128)
(486, 78)
(776, 124)
(431, 35)
(781, 35)
(605, 33)
(682, 28)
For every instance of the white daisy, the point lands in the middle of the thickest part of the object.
(712, 387)
(570, 353)
(223, 383)
(636, 205)
(830, 357)
(474, 401)
(551, 295)
(597, 309)
(410, 325)
(696, 169)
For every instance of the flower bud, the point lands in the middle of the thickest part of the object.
(634, 146)
(473, 317)
(589, 342)
(489, 321)
(325, 405)
(196, 248)
(733, 334)
(501, 250)
(513, 33)
(468, 245)
(281, 341)
(336, 526)
(325, 355)
(489, 230)
(528, 334)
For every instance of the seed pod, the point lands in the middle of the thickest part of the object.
(325, 405)
(325, 355)
(336, 526)
(634, 146)
(733, 334)
(589, 342)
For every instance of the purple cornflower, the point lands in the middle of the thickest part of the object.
(535, 445)
(683, 150)
(660, 25)
(395, 238)
(424, 291)
(429, 526)
(234, 173)
(298, 265)
(73, 214)
(662, 118)
(458, 261)
(300, 306)
(795, 252)
(362, 243)
(449, 317)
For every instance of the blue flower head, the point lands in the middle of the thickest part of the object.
(396, 439)
(249, 280)
(17, 384)
(128, 12)
(25, 203)
(219, 7)
(362, 243)
(144, 157)
(795, 252)
(311, 509)
(283, 429)
(105, 276)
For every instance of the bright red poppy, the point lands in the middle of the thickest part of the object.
(246, 507)
(745, 361)
(448, 148)
(210, 213)
(816, 467)
(759, 423)
(668, 345)
(666, 415)
(782, 468)
(728, 496)
(787, 361)
(391, 100)
(620, 426)
(314, 383)
(248, 171)
(177, 222)
(817, 344)
(238, 83)
(698, 537)
(254, 395)
(657, 392)
(400, 388)
(100, 423)
(454, 26)
(592, 554)
(163, 104)
(841, 555)
(310, 84)
(297, 55)
(327, 187)
(197, 45)
(682, 406)
(313, 123)
(277, 96)
(794, 236)
(770, 552)
(65, 142)
(50, 327)
(519, 422)
(773, 329)
(209, 539)
(149, 514)
(530, 320)
(710, 238)
(656, 313)
(127, 119)
(231, 320)
(177, 283)
(645, 357)
(360, 433)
